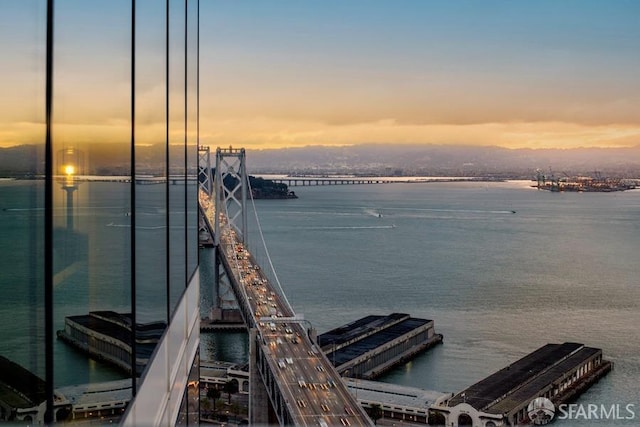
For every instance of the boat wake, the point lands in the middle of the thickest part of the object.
(372, 212)
(138, 227)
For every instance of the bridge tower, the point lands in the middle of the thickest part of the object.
(205, 178)
(229, 188)
(271, 399)
(231, 183)
(205, 185)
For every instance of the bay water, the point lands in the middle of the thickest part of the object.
(502, 268)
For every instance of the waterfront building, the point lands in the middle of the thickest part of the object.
(370, 346)
(216, 374)
(104, 99)
(558, 372)
(405, 404)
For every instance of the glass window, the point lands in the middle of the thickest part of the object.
(22, 152)
(177, 152)
(189, 414)
(151, 171)
(192, 135)
(92, 190)
(107, 227)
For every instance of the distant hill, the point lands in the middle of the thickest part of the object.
(444, 160)
(366, 159)
(21, 160)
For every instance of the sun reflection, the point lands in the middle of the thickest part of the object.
(70, 165)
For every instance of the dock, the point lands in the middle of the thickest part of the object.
(558, 372)
(370, 346)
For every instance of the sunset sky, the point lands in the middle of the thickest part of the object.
(541, 74)
(509, 73)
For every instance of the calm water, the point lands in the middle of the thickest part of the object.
(563, 267)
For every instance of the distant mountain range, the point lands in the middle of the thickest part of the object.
(365, 159)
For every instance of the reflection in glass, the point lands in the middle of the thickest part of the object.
(192, 136)
(151, 171)
(190, 407)
(108, 239)
(177, 152)
(91, 193)
(22, 136)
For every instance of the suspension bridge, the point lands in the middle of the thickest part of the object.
(291, 380)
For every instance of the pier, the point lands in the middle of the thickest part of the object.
(558, 372)
(368, 347)
(105, 336)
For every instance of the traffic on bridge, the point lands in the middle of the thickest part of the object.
(312, 390)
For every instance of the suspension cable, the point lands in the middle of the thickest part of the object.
(264, 244)
(241, 281)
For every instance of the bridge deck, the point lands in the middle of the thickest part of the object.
(312, 389)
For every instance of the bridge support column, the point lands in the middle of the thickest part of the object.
(216, 308)
(258, 397)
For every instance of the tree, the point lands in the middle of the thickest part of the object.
(375, 412)
(230, 387)
(213, 393)
(205, 405)
(235, 409)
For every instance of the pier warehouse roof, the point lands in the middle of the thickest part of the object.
(484, 393)
(558, 372)
(370, 346)
(357, 349)
(358, 328)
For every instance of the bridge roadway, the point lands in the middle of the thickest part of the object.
(308, 181)
(307, 383)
